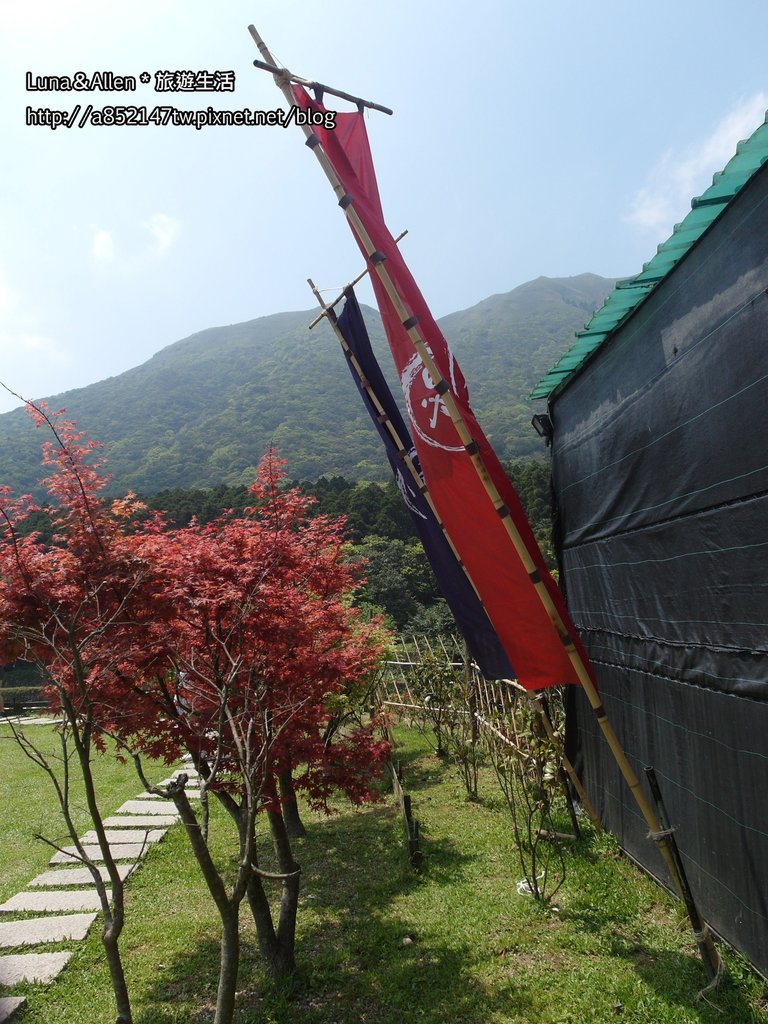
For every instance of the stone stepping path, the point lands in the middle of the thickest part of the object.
(146, 807)
(34, 967)
(10, 1005)
(150, 821)
(125, 835)
(36, 930)
(119, 851)
(77, 876)
(42, 902)
(193, 794)
(131, 832)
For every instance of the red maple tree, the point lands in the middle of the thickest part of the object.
(65, 606)
(234, 642)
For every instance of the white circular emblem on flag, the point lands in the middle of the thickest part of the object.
(427, 411)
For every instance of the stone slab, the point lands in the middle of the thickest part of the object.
(9, 1005)
(36, 930)
(193, 794)
(147, 807)
(77, 876)
(144, 821)
(39, 968)
(120, 851)
(125, 835)
(191, 772)
(35, 720)
(43, 902)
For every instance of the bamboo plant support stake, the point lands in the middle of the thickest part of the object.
(282, 79)
(700, 929)
(470, 682)
(557, 743)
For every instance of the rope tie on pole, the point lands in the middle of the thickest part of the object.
(704, 934)
(662, 834)
(704, 937)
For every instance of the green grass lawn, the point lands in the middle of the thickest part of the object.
(613, 948)
(29, 806)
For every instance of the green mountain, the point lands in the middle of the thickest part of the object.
(201, 411)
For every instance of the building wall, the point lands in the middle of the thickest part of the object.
(660, 468)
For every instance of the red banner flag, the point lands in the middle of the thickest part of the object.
(524, 627)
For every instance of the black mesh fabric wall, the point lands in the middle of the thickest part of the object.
(660, 470)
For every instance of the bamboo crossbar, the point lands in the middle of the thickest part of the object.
(319, 86)
(497, 732)
(400, 704)
(579, 665)
(332, 305)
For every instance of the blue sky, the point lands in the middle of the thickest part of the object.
(552, 139)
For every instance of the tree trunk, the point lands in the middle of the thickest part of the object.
(293, 822)
(228, 911)
(265, 929)
(119, 987)
(114, 915)
(277, 945)
(230, 961)
(289, 898)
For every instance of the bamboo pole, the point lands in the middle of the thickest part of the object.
(282, 79)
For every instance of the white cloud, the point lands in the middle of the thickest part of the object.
(164, 231)
(22, 348)
(102, 246)
(38, 345)
(27, 355)
(30, 364)
(679, 175)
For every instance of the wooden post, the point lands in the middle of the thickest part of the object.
(410, 824)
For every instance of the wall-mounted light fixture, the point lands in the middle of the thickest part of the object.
(542, 424)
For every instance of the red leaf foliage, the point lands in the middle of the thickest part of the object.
(231, 640)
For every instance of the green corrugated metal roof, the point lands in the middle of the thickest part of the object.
(627, 295)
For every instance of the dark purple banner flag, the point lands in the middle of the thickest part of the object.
(484, 645)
